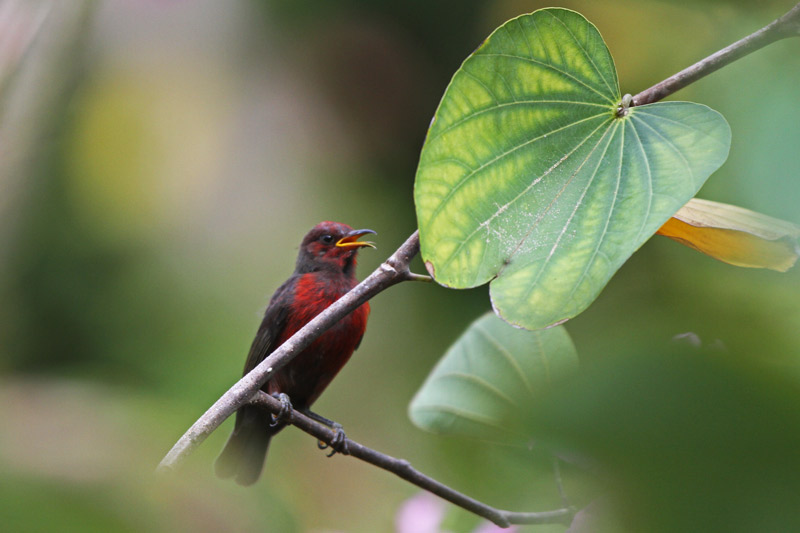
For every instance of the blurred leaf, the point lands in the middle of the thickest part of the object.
(528, 179)
(489, 377)
(735, 235)
(685, 440)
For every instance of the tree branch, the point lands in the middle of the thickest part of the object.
(404, 470)
(786, 26)
(392, 271)
(396, 269)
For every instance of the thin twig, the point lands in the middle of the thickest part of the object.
(390, 272)
(403, 469)
(786, 26)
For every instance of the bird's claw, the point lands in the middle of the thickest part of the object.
(338, 443)
(286, 409)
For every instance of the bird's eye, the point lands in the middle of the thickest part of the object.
(327, 239)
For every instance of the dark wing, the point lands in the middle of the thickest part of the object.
(244, 453)
(272, 325)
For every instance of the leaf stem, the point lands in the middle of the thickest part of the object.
(786, 26)
(418, 277)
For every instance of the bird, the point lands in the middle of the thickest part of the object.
(324, 272)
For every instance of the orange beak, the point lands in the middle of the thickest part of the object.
(351, 239)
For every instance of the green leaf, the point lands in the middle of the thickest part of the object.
(486, 383)
(529, 179)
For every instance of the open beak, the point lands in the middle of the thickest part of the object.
(351, 239)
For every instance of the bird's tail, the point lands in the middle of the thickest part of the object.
(244, 453)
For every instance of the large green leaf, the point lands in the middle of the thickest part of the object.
(530, 179)
(486, 383)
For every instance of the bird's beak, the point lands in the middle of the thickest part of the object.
(351, 239)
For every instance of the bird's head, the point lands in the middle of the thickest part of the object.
(331, 246)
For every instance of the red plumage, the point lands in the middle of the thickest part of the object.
(324, 272)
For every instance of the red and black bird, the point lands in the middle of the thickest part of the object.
(324, 272)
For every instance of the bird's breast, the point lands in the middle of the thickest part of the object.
(309, 373)
(316, 291)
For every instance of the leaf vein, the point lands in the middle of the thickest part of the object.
(463, 180)
(557, 70)
(480, 382)
(604, 232)
(507, 355)
(586, 54)
(569, 220)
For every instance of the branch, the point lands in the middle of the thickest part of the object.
(786, 26)
(404, 470)
(392, 271)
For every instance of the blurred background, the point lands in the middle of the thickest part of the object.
(160, 161)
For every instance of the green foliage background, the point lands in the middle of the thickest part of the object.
(175, 155)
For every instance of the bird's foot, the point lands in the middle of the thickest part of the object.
(284, 414)
(338, 443)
